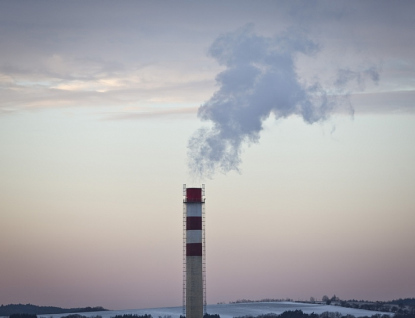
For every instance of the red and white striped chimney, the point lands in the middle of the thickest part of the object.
(194, 282)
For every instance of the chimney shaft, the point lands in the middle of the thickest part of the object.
(194, 283)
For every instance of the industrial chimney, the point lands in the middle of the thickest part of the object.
(194, 285)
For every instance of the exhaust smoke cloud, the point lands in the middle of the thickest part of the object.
(260, 79)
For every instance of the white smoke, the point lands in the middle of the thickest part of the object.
(260, 79)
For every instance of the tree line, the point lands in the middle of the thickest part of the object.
(399, 306)
(7, 310)
(301, 314)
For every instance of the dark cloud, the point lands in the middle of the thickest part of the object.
(345, 76)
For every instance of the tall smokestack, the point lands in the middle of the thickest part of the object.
(194, 298)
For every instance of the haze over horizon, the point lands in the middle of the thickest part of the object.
(297, 115)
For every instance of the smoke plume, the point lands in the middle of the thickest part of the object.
(259, 80)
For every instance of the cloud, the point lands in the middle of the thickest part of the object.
(151, 112)
(63, 81)
(397, 102)
(260, 79)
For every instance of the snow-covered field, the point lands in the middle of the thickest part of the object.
(235, 310)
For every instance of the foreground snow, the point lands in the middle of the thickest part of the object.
(235, 310)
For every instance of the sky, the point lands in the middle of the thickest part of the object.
(298, 116)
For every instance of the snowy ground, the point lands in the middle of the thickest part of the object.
(235, 310)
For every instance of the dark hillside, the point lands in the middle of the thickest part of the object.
(7, 310)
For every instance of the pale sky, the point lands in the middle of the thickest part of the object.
(99, 102)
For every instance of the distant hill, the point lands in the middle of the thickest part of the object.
(404, 302)
(7, 310)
